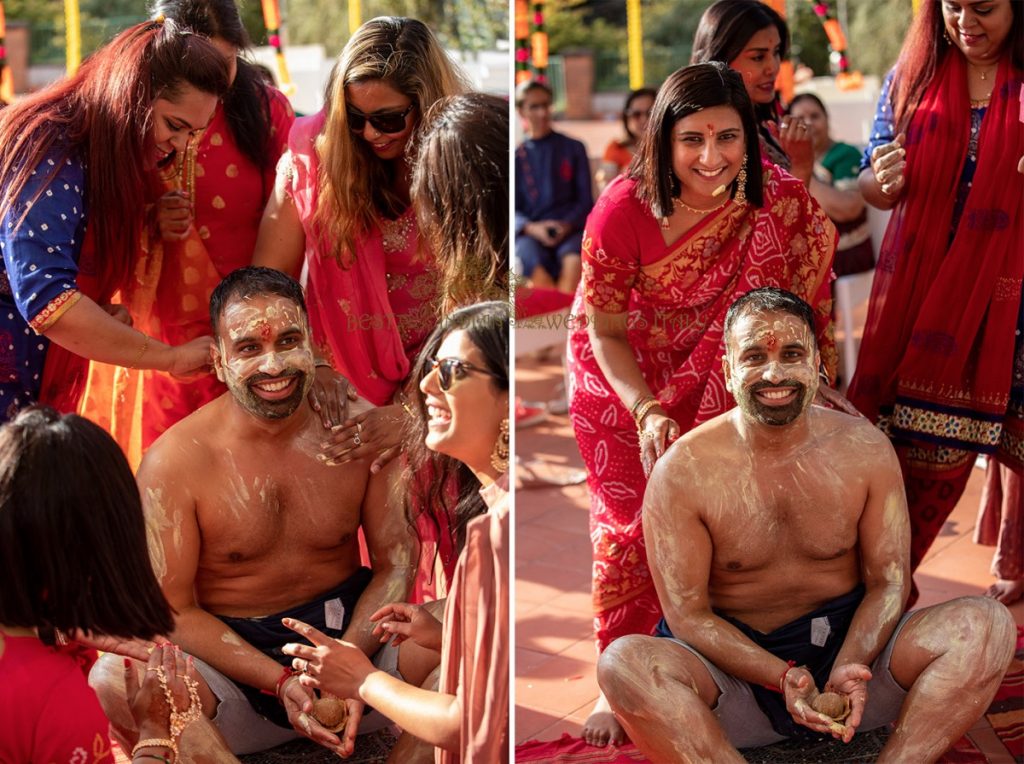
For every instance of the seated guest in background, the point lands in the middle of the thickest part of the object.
(619, 152)
(779, 544)
(553, 195)
(834, 186)
(73, 561)
(461, 417)
(247, 525)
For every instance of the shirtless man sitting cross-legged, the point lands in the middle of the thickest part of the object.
(248, 525)
(779, 545)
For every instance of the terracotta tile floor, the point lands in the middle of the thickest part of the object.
(554, 656)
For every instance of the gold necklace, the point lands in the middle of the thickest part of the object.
(983, 73)
(680, 203)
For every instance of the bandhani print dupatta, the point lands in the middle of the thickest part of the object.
(681, 300)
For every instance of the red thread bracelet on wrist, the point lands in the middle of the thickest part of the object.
(790, 665)
(287, 672)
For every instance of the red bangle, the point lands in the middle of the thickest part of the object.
(790, 665)
(286, 673)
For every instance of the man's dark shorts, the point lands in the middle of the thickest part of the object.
(751, 715)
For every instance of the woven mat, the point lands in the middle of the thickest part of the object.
(864, 748)
(1006, 714)
(372, 748)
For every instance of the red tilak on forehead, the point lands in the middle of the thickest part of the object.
(711, 129)
(771, 341)
(263, 327)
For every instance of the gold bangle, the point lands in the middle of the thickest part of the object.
(153, 743)
(644, 410)
(637, 402)
(142, 352)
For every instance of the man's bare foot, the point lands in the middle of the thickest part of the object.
(601, 727)
(1005, 591)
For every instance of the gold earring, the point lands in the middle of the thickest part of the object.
(499, 456)
(741, 183)
(945, 33)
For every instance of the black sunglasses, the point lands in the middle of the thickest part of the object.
(453, 369)
(389, 122)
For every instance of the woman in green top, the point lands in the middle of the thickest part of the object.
(836, 166)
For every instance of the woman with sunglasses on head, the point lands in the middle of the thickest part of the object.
(619, 152)
(460, 427)
(68, 234)
(203, 211)
(341, 205)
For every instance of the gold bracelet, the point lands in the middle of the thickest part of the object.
(644, 410)
(637, 402)
(142, 352)
(153, 743)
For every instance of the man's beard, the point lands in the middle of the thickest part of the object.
(258, 406)
(775, 416)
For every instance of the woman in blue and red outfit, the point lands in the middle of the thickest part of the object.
(936, 368)
(130, 106)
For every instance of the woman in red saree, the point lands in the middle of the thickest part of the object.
(663, 258)
(936, 368)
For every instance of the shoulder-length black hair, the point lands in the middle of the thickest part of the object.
(685, 92)
(726, 28)
(247, 102)
(444, 486)
(73, 549)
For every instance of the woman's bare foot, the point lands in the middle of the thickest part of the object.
(1005, 591)
(601, 727)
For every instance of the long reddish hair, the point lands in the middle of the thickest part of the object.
(103, 115)
(924, 51)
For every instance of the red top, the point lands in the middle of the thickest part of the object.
(49, 713)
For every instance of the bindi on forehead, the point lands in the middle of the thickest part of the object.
(262, 328)
(771, 340)
(711, 130)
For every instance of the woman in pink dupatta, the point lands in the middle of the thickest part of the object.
(663, 258)
(460, 416)
(341, 206)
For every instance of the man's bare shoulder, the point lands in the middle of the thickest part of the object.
(713, 442)
(842, 431)
(187, 444)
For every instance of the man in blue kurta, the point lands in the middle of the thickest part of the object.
(553, 195)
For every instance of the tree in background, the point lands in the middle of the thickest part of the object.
(877, 28)
(669, 26)
(465, 25)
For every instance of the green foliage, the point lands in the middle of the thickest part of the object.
(808, 42)
(459, 24)
(877, 28)
(874, 38)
